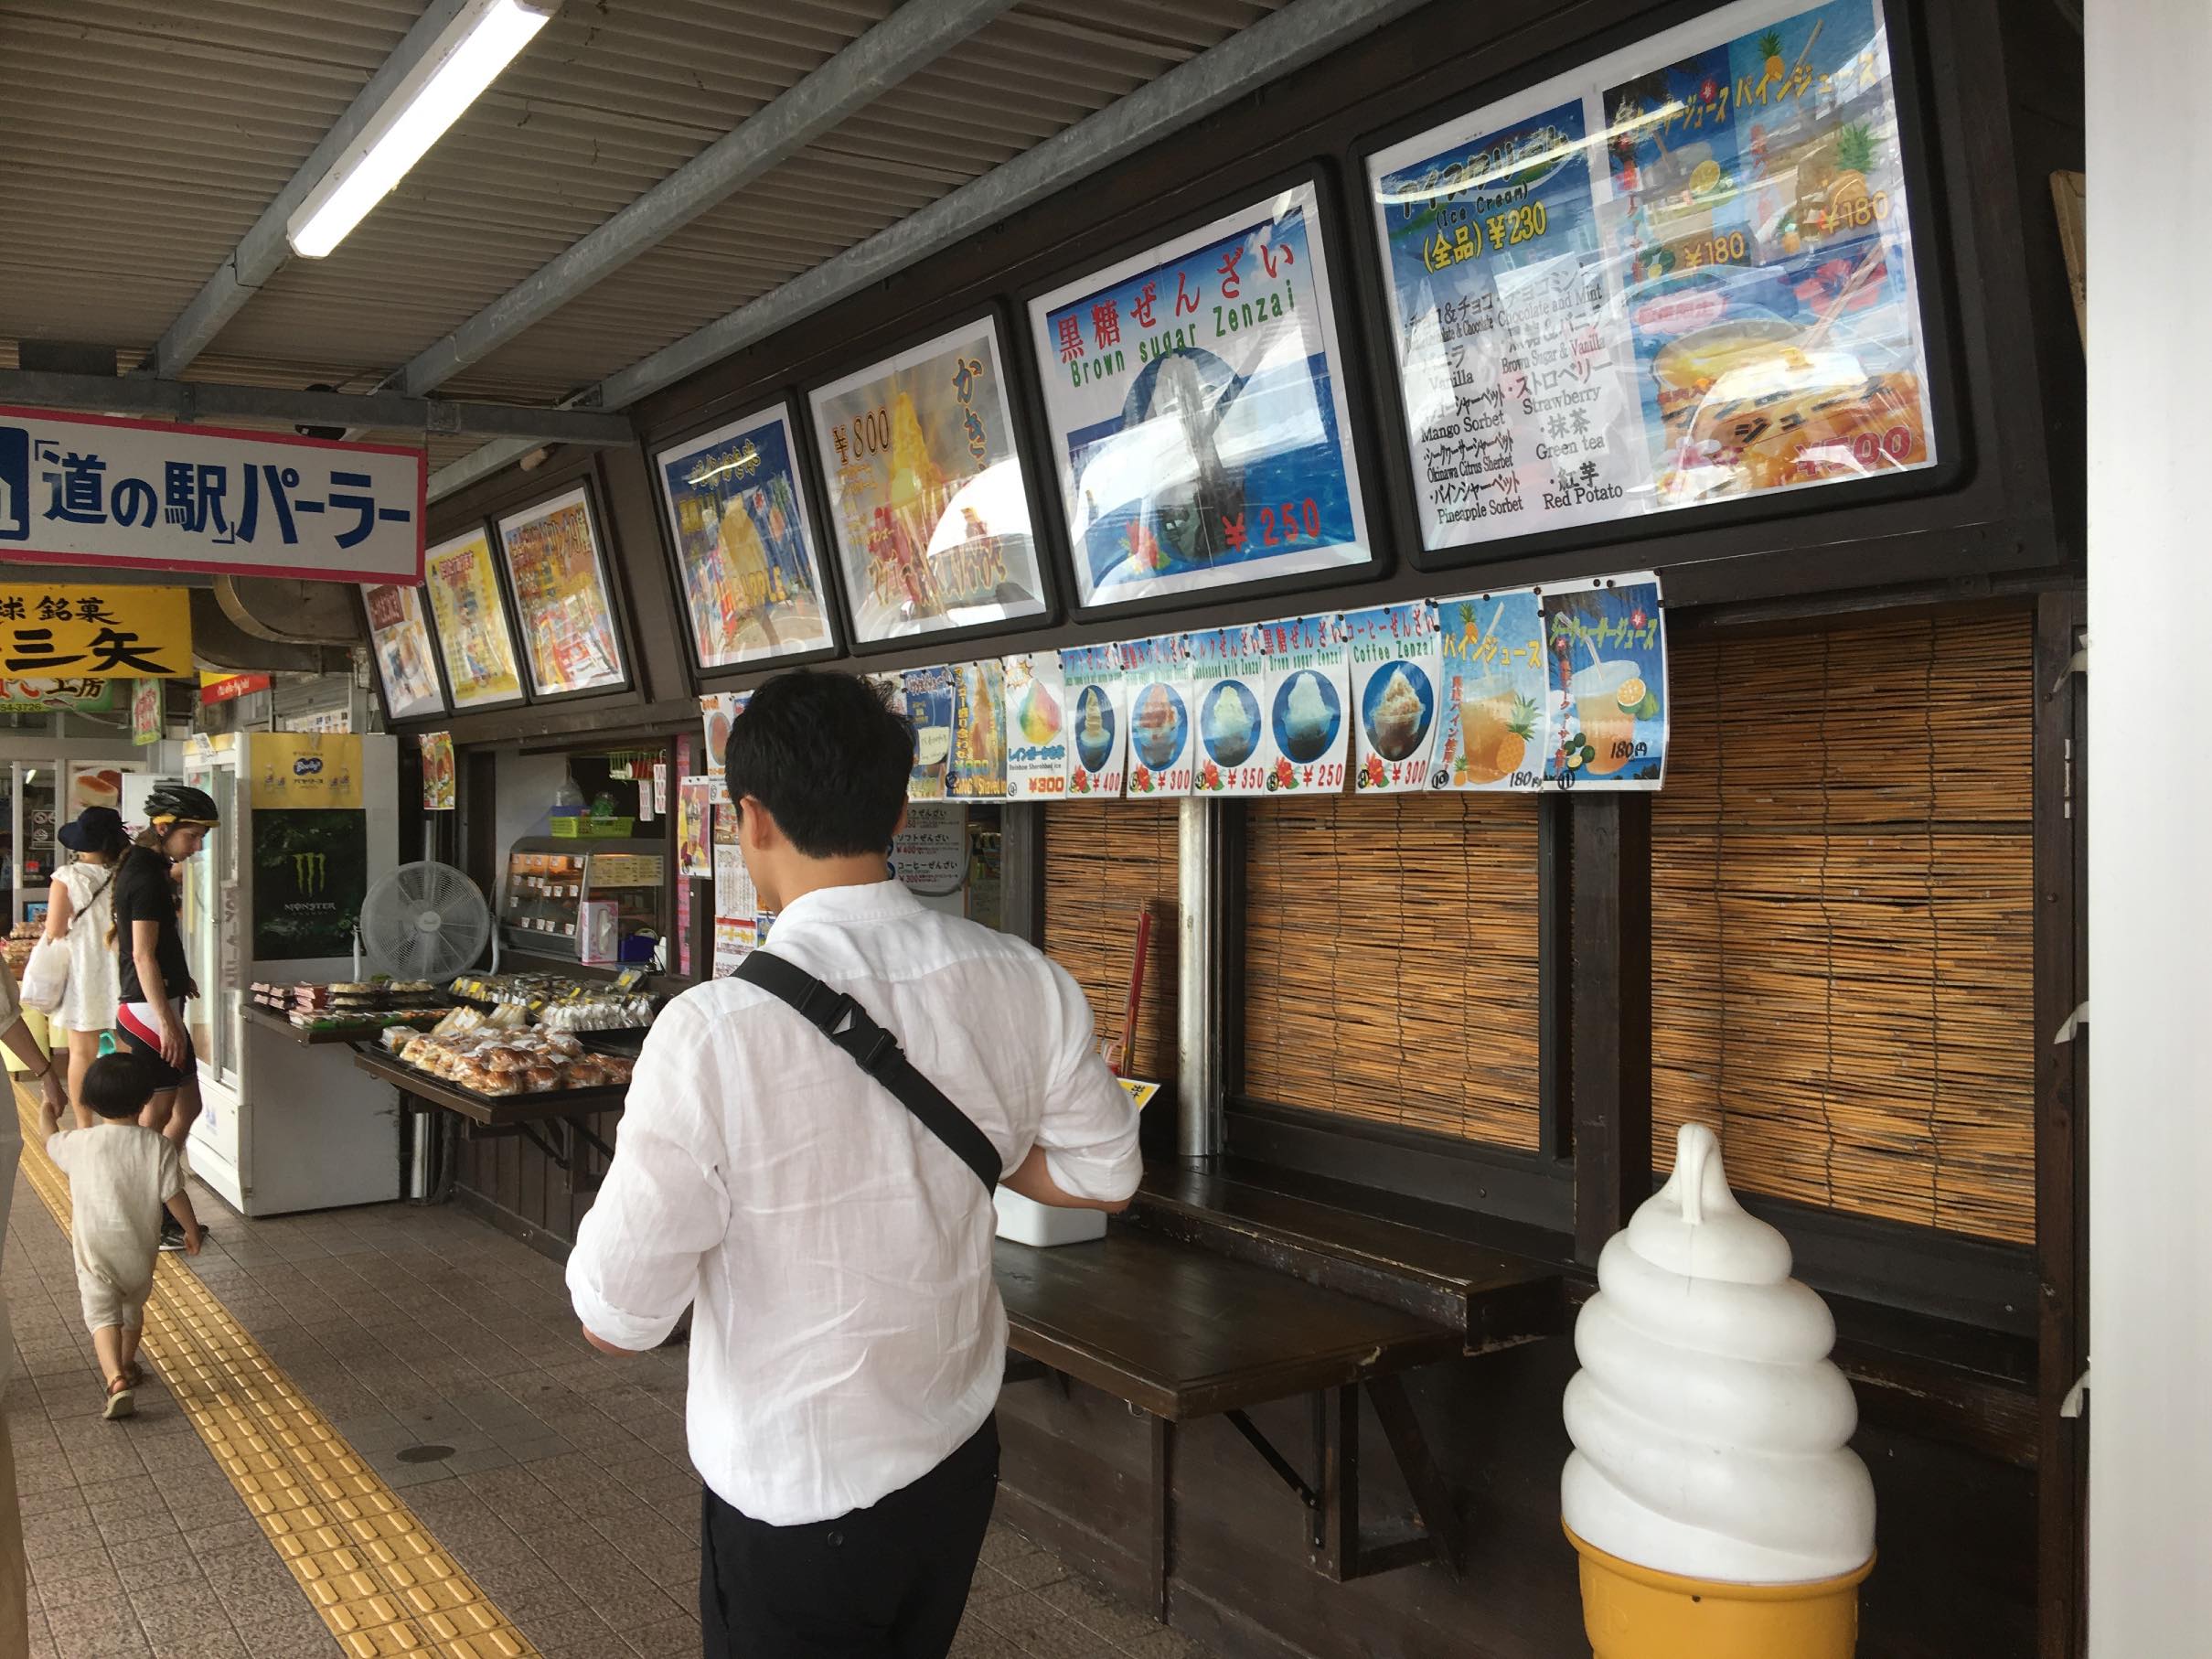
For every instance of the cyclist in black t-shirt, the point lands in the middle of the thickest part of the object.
(150, 960)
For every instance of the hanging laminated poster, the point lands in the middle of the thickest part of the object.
(718, 711)
(473, 636)
(1394, 654)
(1494, 692)
(1680, 274)
(1306, 686)
(736, 911)
(438, 772)
(928, 506)
(1228, 671)
(562, 595)
(1036, 727)
(1097, 729)
(1196, 403)
(745, 546)
(399, 639)
(1607, 645)
(978, 769)
(694, 828)
(929, 854)
(928, 694)
(1159, 695)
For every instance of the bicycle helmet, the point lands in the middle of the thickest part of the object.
(168, 804)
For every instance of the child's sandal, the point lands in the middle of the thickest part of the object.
(134, 1374)
(120, 1402)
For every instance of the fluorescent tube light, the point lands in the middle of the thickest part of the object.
(482, 40)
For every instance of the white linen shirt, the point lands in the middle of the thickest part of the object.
(846, 1335)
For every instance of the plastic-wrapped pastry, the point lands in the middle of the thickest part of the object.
(561, 1043)
(502, 1083)
(470, 1074)
(539, 1078)
(506, 1060)
(587, 1072)
(617, 1067)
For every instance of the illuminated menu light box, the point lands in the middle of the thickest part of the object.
(928, 506)
(1196, 401)
(1680, 275)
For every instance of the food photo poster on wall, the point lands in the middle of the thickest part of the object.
(473, 636)
(1682, 274)
(561, 592)
(1495, 692)
(1307, 684)
(746, 547)
(1607, 651)
(1156, 673)
(928, 506)
(1036, 727)
(398, 636)
(1098, 730)
(1394, 654)
(1196, 401)
(1228, 671)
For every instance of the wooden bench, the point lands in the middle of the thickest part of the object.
(1181, 1331)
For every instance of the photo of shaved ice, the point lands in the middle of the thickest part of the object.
(1038, 717)
(1228, 723)
(1156, 727)
(1094, 729)
(1308, 714)
(1400, 703)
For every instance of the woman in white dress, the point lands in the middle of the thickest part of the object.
(82, 890)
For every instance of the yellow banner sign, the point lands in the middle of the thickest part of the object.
(120, 633)
(304, 769)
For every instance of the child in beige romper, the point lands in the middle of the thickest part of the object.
(122, 1177)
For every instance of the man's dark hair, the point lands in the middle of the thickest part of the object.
(117, 1085)
(826, 757)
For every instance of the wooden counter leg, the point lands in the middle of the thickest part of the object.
(1163, 1513)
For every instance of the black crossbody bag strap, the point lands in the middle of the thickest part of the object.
(876, 1052)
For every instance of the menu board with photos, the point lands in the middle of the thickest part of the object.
(398, 636)
(1608, 706)
(978, 765)
(1494, 692)
(1395, 653)
(1195, 396)
(1097, 707)
(1229, 695)
(1682, 274)
(1308, 682)
(745, 545)
(927, 502)
(1036, 727)
(473, 639)
(561, 592)
(1155, 676)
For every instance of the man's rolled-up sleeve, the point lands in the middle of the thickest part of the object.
(663, 1204)
(1089, 1128)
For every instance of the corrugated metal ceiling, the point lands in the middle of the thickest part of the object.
(139, 140)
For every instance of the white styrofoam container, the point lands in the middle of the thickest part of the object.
(1025, 1221)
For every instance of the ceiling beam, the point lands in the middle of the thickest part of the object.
(1284, 41)
(262, 252)
(190, 401)
(911, 37)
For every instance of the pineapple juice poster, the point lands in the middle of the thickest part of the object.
(752, 577)
(1394, 654)
(1308, 690)
(1036, 733)
(1158, 684)
(1228, 671)
(928, 506)
(1098, 726)
(1197, 410)
(978, 769)
(1606, 646)
(1495, 692)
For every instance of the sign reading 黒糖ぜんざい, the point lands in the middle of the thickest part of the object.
(93, 489)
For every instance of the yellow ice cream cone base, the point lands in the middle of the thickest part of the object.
(1634, 1613)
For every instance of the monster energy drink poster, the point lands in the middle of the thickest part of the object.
(310, 871)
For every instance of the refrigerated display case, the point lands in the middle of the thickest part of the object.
(585, 900)
(284, 1126)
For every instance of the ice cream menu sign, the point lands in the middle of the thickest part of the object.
(1037, 748)
(1159, 689)
(1306, 697)
(1680, 274)
(1228, 671)
(1097, 737)
(1394, 652)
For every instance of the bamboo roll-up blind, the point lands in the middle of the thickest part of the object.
(1390, 961)
(1104, 861)
(1843, 918)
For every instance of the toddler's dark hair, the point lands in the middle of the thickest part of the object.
(117, 1085)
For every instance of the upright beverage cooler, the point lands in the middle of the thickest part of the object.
(309, 822)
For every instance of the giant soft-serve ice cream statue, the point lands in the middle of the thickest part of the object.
(1717, 1510)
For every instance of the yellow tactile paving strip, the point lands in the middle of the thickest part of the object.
(369, 1566)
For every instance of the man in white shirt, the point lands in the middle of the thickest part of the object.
(847, 1340)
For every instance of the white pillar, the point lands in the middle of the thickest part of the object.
(2150, 616)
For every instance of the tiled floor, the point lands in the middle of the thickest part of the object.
(447, 1356)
